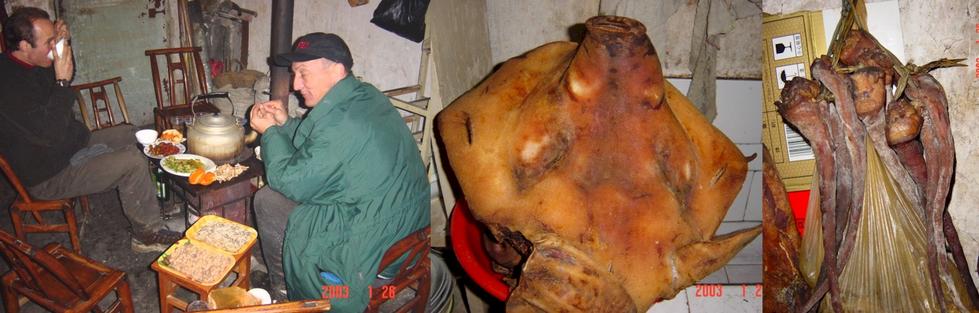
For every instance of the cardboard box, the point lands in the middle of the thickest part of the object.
(791, 42)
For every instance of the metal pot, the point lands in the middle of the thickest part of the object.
(219, 137)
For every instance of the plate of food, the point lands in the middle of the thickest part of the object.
(163, 148)
(184, 164)
(172, 135)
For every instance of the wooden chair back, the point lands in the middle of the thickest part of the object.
(14, 181)
(99, 102)
(414, 272)
(24, 203)
(178, 77)
(33, 265)
(59, 280)
(182, 75)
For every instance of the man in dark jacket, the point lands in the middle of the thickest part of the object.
(56, 156)
(347, 181)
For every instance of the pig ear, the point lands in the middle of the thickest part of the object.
(697, 260)
(558, 277)
(582, 82)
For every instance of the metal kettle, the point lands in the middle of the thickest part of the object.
(216, 136)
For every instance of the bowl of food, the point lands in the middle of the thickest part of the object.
(146, 137)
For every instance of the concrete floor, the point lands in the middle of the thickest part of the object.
(105, 238)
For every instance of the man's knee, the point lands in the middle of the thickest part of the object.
(126, 128)
(115, 133)
(134, 160)
(121, 130)
(272, 204)
(264, 199)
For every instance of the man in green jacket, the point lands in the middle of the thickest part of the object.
(344, 183)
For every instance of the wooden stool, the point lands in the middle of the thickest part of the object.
(168, 283)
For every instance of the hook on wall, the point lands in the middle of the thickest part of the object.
(156, 7)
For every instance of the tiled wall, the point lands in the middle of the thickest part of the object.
(739, 116)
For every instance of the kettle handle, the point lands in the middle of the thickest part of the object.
(209, 95)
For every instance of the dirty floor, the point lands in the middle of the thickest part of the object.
(105, 237)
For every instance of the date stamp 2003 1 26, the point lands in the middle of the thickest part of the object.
(343, 292)
(717, 291)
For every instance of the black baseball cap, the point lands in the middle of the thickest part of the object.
(314, 46)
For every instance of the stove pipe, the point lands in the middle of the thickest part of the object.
(281, 43)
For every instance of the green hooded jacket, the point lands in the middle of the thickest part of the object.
(356, 172)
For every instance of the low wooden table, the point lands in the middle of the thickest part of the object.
(168, 283)
(231, 199)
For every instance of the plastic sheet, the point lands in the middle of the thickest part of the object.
(884, 273)
(886, 270)
(811, 252)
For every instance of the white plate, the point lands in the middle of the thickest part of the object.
(180, 149)
(208, 164)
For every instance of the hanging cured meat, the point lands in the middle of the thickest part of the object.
(883, 240)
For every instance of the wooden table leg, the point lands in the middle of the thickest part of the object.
(203, 296)
(244, 271)
(125, 296)
(166, 287)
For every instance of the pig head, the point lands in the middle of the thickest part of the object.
(608, 171)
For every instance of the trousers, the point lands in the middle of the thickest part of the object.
(119, 165)
(272, 211)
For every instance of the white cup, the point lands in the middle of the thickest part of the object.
(146, 136)
(59, 48)
(261, 295)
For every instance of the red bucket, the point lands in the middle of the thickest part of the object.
(467, 241)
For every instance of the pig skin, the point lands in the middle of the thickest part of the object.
(609, 171)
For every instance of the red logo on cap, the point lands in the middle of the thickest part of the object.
(302, 45)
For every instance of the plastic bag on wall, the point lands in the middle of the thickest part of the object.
(403, 17)
(811, 252)
(886, 272)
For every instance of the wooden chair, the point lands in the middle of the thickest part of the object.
(416, 276)
(100, 103)
(59, 280)
(180, 82)
(24, 204)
